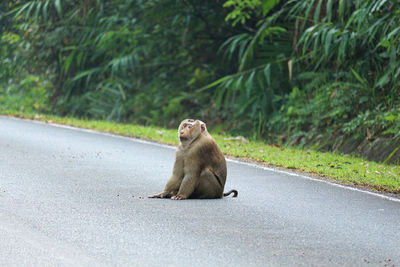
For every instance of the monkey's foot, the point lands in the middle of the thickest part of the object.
(161, 195)
(178, 197)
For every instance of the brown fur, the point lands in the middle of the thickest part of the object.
(200, 167)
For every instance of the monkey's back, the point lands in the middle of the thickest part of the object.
(211, 157)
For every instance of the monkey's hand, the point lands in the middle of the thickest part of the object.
(178, 197)
(160, 195)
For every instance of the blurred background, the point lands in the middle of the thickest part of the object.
(316, 73)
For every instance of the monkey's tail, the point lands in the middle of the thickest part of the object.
(235, 193)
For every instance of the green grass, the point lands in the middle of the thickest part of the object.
(343, 169)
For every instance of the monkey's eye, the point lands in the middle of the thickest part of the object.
(189, 126)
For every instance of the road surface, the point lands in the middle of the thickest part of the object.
(71, 197)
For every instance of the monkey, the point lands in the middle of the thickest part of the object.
(200, 168)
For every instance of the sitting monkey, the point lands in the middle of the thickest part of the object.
(200, 167)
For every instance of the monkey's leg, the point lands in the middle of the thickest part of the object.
(208, 186)
(171, 188)
(187, 187)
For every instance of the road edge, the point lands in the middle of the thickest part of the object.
(228, 158)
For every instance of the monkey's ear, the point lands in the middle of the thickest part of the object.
(203, 127)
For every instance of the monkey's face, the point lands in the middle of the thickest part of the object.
(190, 129)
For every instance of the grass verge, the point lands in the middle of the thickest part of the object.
(342, 169)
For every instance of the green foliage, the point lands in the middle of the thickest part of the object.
(341, 75)
(358, 41)
(105, 57)
(29, 95)
(251, 94)
(244, 9)
(20, 89)
(286, 71)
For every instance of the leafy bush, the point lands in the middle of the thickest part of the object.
(29, 95)
(342, 68)
(286, 71)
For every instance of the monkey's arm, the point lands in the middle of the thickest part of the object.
(172, 186)
(188, 185)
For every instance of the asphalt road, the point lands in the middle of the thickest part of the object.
(71, 197)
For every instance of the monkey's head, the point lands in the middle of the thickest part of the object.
(190, 129)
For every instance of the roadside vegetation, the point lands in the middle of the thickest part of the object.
(343, 169)
(296, 78)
